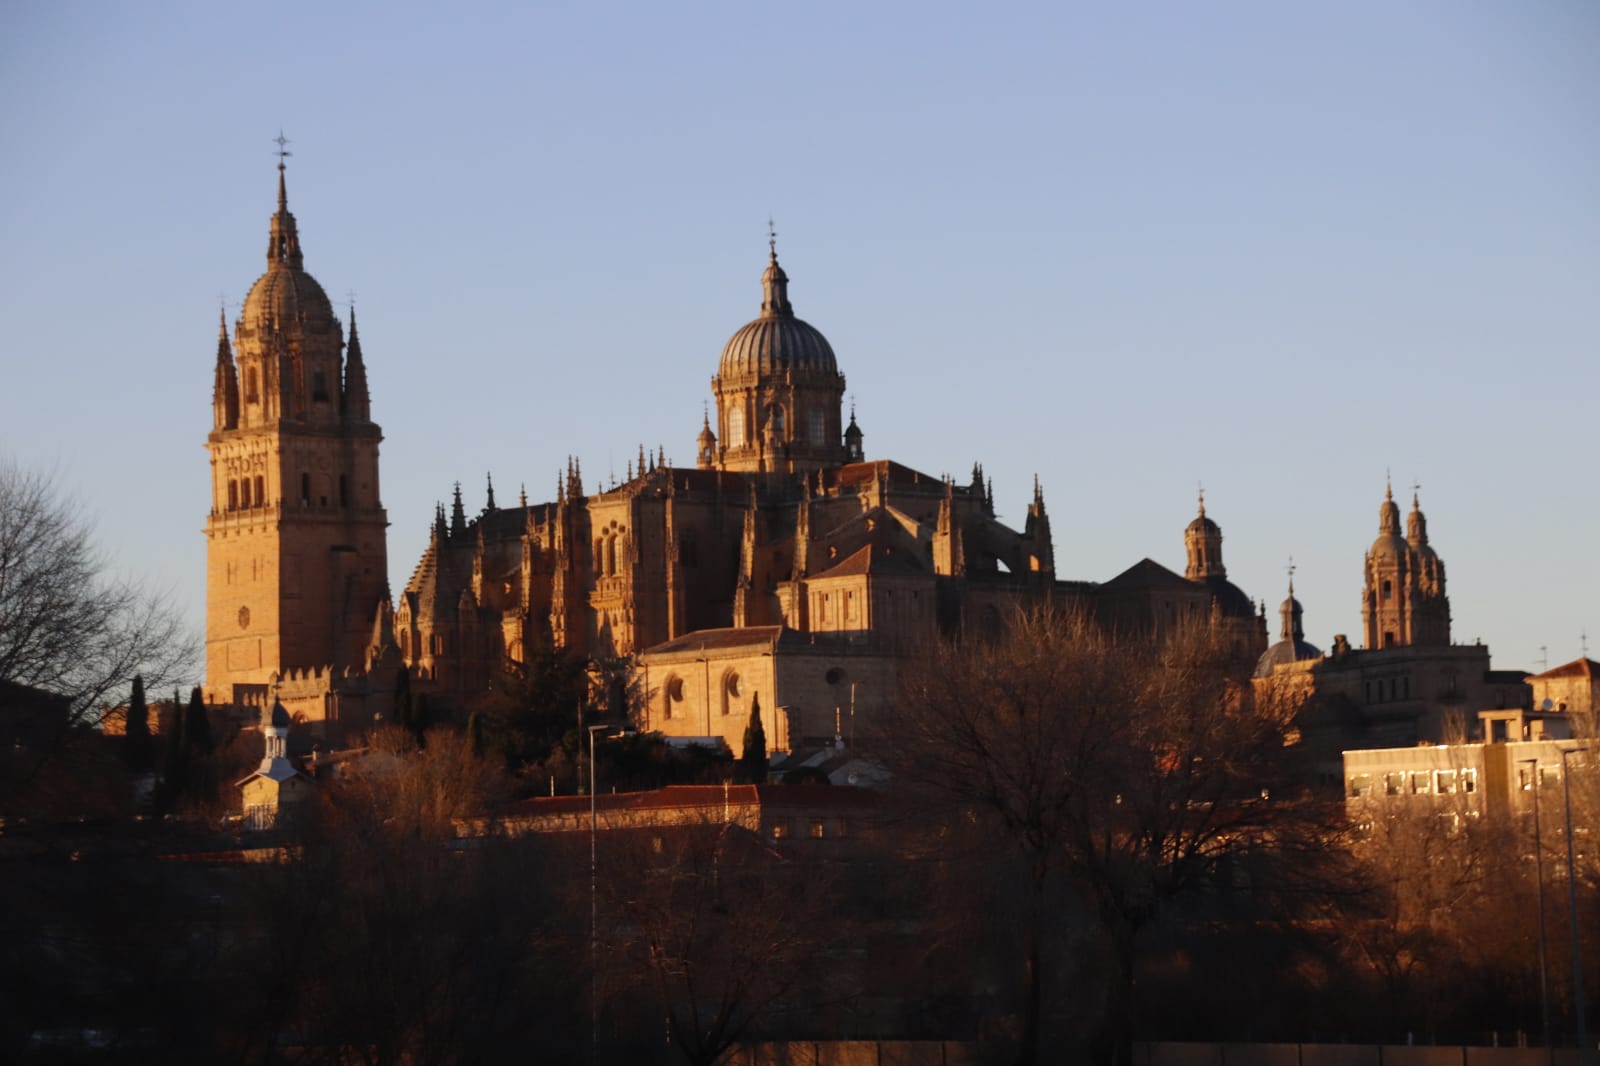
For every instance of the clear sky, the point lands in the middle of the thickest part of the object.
(1275, 248)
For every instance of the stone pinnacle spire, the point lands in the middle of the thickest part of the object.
(354, 400)
(225, 392)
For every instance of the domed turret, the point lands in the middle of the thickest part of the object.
(1389, 543)
(1202, 540)
(778, 389)
(1291, 646)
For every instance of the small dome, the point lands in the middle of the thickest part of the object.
(285, 295)
(1388, 546)
(1202, 524)
(1231, 598)
(1284, 652)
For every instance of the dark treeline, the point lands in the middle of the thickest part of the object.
(1087, 842)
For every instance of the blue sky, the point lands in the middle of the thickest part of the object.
(1275, 248)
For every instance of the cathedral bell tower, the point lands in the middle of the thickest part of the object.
(779, 391)
(296, 562)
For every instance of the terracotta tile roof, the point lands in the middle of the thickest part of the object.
(720, 640)
(1577, 668)
(876, 558)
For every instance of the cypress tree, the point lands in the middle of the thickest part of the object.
(402, 698)
(197, 725)
(175, 756)
(137, 747)
(753, 762)
(475, 733)
(419, 718)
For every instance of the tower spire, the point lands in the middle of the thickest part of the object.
(284, 242)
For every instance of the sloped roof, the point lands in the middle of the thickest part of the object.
(1147, 573)
(1576, 668)
(720, 639)
(876, 558)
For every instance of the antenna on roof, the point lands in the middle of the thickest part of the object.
(1544, 658)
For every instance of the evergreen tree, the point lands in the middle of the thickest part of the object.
(402, 698)
(138, 749)
(420, 716)
(175, 756)
(753, 762)
(197, 726)
(475, 733)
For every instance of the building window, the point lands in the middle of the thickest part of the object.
(1361, 785)
(233, 495)
(1394, 784)
(305, 489)
(819, 428)
(251, 393)
(261, 491)
(818, 831)
(735, 428)
(777, 422)
(1388, 590)
(1444, 782)
(319, 385)
(1421, 783)
(780, 828)
(1469, 781)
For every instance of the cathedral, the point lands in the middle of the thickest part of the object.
(785, 570)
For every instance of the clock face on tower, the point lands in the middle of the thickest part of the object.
(244, 618)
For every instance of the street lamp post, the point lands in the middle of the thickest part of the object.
(1538, 868)
(1585, 1052)
(594, 905)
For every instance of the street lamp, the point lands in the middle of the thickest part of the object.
(1538, 867)
(1584, 1050)
(594, 904)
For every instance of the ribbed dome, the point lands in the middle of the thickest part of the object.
(1284, 652)
(1202, 524)
(776, 341)
(773, 344)
(283, 295)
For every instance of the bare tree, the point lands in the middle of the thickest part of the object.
(66, 626)
(1112, 776)
(712, 931)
